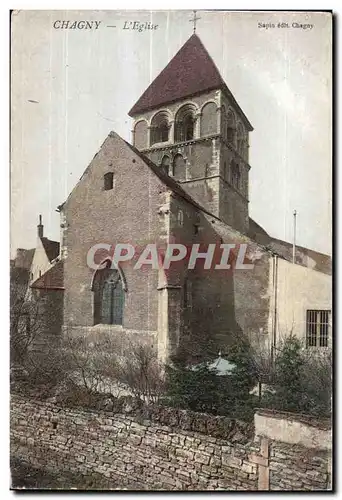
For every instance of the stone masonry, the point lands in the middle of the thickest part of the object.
(161, 448)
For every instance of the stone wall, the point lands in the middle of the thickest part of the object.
(160, 448)
(48, 326)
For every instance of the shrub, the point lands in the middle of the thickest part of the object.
(316, 378)
(141, 373)
(302, 380)
(201, 388)
(193, 389)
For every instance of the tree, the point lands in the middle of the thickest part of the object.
(141, 372)
(202, 388)
(302, 379)
(111, 368)
(237, 399)
(262, 361)
(25, 317)
(317, 383)
(287, 387)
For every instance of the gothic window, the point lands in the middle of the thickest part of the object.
(160, 128)
(231, 127)
(165, 164)
(108, 180)
(235, 175)
(179, 167)
(185, 123)
(108, 297)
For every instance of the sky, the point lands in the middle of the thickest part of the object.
(70, 88)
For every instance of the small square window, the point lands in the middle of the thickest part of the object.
(108, 180)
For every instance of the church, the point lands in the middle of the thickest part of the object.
(183, 179)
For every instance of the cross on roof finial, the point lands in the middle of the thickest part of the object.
(194, 19)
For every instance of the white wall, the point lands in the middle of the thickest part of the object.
(289, 429)
(299, 289)
(40, 262)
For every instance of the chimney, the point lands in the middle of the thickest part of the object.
(40, 228)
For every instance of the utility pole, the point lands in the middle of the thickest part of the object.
(294, 237)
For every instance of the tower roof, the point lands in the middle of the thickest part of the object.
(190, 72)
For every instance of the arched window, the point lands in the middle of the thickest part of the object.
(163, 132)
(108, 181)
(226, 171)
(140, 135)
(185, 123)
(109, 297)
(245, 150)
(209, 119)
(231, 127)
(179, 167)
(240, 140)
(160, 127)
(223, 121)
(189, 124)
(235, 175)
(165, 164)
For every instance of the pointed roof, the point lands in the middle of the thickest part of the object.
(190, 72)
(222, 366)
(51, 248)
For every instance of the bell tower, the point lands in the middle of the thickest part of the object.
(188, 122)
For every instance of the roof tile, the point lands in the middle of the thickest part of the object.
(53, 279)
(190, 72)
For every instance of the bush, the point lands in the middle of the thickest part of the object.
(41, 373)
(317, 383)
(287, 385)
(302, 380)
(141, 373)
